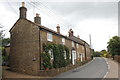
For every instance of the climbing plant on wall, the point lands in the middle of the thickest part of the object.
(58, 54)
(46, 60)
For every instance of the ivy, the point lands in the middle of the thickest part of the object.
(58, 53)
(46, 60)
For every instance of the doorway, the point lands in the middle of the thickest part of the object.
(73, 57)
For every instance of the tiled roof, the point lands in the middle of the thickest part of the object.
(73, 38)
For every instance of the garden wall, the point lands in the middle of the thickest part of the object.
(117, 58)
(54, 72)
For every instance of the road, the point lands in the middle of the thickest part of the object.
(97, 68)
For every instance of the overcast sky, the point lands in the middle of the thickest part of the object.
(96, 17)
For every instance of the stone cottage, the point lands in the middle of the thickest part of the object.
(27, 40)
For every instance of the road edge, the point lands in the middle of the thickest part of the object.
(108, 66)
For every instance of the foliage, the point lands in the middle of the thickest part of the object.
(5, 58)
(5, 41)
(59, 60)
(1, 32)
(58, 53)
(46, 60)
(114, 46)
(97, 54)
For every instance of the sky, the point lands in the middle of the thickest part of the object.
(98, 18)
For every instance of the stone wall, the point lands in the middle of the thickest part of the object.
(54, 72)
(88, 53)
(117, 58)
(24, 50)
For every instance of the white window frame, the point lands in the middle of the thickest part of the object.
(73, 44)
(77, 45)
(70, 55)
(63, 41)
(51, 54)
(65, 56)
(49, 37)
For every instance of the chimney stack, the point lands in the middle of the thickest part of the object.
(78, 36)
(70, 33)
(37, 19)
(23, 11)
(58, 28)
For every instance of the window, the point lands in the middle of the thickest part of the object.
(63, 41)
(49, 37)
(70, 56)
(51, 54)
(77, 45)
(64, 54)
(75, 55)
(72, 44)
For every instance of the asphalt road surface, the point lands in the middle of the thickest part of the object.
(94, 69)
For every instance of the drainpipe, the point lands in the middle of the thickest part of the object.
(40, 49)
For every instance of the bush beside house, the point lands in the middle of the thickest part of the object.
(60, 54)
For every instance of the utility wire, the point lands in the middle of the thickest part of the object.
(47, 13)
(12, 8)
(59, 18)
(40, 6)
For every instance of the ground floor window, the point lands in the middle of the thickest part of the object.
(51, 54)
(64, 54)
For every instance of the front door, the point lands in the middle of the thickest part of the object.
(81, 57)
(73, 56)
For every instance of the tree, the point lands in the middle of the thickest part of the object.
(97, 54)
(5, 41)
(1, 32)
(114, 46)
(104, 53)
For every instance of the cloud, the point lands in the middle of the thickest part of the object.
(82, 10)
(100, 30)
(96, 18)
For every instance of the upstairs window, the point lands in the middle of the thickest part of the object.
(49, 37)
(77, 45)
(72, 44)
(63, 41)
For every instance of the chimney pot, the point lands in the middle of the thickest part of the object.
(78, 36)
(37, 15)
(70, 32)
(23, 4)
(23, 11)
(58, 28)
(37, 19)
(57, 24)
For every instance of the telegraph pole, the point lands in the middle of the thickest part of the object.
(90, 40)
(90, 44)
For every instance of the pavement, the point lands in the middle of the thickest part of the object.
(10, 74)
(113, 67)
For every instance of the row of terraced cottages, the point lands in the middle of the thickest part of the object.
(27, 39)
